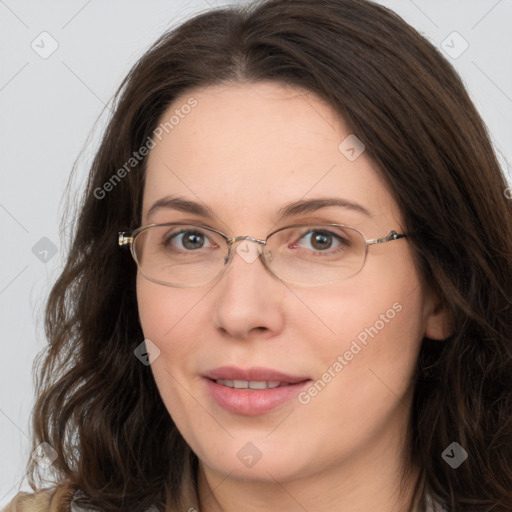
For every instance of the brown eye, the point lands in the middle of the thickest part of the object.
(186, 240)
(322, 240)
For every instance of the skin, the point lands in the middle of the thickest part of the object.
(245, 150)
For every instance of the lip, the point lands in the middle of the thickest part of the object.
(252, 402)
(254, 373)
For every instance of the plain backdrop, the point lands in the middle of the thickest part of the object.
(49, 105)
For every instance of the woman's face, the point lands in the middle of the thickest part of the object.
(245, 151)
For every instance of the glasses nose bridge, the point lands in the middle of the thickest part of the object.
(233, 240)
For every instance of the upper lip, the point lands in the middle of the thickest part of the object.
(255, 373)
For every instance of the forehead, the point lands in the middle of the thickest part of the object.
(246, 149)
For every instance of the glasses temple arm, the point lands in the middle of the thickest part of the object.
(392, 235)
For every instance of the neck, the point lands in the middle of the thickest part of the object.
(357, 486)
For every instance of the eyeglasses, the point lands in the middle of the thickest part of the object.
(185, 255)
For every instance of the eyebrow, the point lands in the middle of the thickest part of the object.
(288, 210)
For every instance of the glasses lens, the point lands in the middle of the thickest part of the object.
(316, 254)
(179, 254)
(189, 255)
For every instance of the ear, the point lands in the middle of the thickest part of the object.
(437, 320)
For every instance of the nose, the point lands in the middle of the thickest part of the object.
(248, 298)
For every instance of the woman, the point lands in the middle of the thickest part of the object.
(318, 313)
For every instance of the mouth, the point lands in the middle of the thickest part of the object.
(255, 374)
(251, 384)
(252, 391)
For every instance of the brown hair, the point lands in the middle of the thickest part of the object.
(99, 407)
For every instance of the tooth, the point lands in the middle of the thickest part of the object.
(225, 382)
(255, 384)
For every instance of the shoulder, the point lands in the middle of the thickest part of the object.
(52, 499)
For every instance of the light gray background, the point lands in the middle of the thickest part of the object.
(49, 107)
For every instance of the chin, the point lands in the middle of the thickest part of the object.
(258, 460)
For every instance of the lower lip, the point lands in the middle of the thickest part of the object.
(252, 402)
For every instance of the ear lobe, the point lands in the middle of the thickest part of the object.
(438, 322)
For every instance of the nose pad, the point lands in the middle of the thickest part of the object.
(249, 250)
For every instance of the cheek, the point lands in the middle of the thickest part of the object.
(162, 308)
(375, 323)
(366, 367)
(164, 312)
(365, 306)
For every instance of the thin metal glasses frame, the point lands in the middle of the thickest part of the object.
(128, 238)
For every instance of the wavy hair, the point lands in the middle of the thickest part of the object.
(100, 409)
